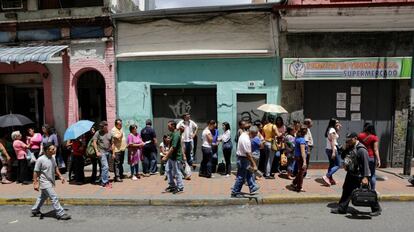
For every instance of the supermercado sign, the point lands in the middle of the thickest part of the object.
(377, 68)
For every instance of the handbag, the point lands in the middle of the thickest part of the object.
(29, 155)
(364, 196)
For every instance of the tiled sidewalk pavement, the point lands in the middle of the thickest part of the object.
(217, 188)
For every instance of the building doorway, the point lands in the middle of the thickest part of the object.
(91, 96)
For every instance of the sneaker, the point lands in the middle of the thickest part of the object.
(134, 178)
(337, 211)
(36, 213)
(170, 189)
(64, 217)
(154, 173)
(255, 190)
(269, 177)
(327, 181)
(178, 190)
(227, 175)
(146, 175)
(6, 182)
(332, 181)
(118, 180)
(375, 213)
(236, 195)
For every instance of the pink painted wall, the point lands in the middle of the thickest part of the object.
(33, 67)
(71, 73)
(341, 2)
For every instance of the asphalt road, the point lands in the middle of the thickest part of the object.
(396, 217)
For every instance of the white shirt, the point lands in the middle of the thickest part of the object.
(309, 138)
(206, 143)
(332, 135)
(189, 129)
(244, 145)
(226, 136)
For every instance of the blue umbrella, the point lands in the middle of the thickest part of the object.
(77, 129)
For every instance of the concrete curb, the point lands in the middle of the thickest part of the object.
(265, 200)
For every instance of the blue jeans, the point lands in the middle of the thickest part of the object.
(134, 169)
(104, 167)
(48, 193)
(372, 165)
(149, 165)
(243, 174)
(334, 165)
(173, 171)
(269, 156)
(188, 152)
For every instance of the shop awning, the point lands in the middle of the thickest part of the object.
(26, 54)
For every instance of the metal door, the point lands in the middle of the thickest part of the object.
(168, 104)
(376, 106)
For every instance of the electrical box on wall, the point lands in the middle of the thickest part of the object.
(255, 84)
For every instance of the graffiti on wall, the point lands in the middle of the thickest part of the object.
(180, 108)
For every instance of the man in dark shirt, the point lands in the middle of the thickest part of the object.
(357, 173)
(173, 156)
(150, 149)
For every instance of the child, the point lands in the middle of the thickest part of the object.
(44, 181)
(164, 148)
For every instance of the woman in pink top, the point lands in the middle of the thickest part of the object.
(135, 145)
(34, 140)
(20, 149)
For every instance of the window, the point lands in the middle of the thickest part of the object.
(11, 4)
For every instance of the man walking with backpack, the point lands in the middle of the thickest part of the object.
(356, 164)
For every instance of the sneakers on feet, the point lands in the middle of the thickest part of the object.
(64, 217)
(118, 179)
(178, 191)
(36, 213)
(375, 213)
(6, 182)
(255, 190)
(327, 181)
(170, 189)
(236, 195)
(337, 211)
(332, 181)
(134, 178)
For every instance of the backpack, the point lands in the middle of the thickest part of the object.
(90, 150)
(283, 160)
(221, 168)
(351, 163)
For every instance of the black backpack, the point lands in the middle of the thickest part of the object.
(221, 168)
(351, 163)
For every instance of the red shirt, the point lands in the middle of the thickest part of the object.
(78, 148)
(368, 141)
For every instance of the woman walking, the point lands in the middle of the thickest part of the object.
(20, 148)
(332, 136)
(370, 140)
(227, 146)
(135, 145)
(207, 137)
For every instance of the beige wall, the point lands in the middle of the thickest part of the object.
(230, 32)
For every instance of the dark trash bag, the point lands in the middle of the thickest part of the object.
(364, 196)
(221, 169)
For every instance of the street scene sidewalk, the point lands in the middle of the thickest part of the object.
(201, 191)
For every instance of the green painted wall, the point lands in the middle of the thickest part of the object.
(230, 76)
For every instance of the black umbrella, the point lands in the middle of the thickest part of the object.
(14, 120)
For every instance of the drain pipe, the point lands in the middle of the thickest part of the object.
(410, 126)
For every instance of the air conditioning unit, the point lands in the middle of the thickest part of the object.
(11, 4)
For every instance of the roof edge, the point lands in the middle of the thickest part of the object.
(199, 10)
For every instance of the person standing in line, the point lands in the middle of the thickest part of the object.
(271, 133)
(102, 143)
(357, 174)
(370, 140)
(20, 148)
(309, 139)
(245, 166)
(257, 143)
(5, 164)
(48, 137)
(164, 148)
(94, 160)
(227, 146)
(135, 145)
(174, 155)
(190, 130)
(290, 151)
(34, 141)
(150, 149)
(214, 148)
(118, 151)
(207, 137)
(44, 181)
(332, 136)
(301, 151)
(78, 153)
(242, 126)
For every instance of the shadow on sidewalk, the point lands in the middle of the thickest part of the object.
(321, 182)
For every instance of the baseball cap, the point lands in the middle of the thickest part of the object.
(351, 135)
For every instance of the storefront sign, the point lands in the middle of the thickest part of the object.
(347, 68)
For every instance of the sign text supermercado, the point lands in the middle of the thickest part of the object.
(376, 68)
